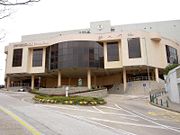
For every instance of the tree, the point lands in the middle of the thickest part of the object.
(4, 4)
(5, 8)
(170, 67)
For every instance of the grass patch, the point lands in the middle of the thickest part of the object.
(74, 100)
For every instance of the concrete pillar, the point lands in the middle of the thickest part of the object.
(32, 82)
(89, 78)
(8, 82)
(59, 79)
(124, 79)
(105, 53)
(156, 74)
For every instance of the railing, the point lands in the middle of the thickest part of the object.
(140, 78)
(154, 95)
(20, 85)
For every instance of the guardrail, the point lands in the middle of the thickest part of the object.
(154, 98)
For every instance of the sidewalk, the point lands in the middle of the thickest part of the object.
(164, 102)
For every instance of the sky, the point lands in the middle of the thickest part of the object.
(62, 15)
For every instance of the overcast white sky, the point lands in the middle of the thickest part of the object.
(60, 15)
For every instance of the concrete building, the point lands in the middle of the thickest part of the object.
(173, 85)
(102, 55)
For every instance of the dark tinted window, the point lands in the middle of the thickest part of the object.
(74, 54)
(37, 57)
(112, 51)
(17, 57)
(134, 48)
(171, 55)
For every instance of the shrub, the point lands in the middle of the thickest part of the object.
(170, 67)
(76, 100)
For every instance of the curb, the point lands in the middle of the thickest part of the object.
(164, 107)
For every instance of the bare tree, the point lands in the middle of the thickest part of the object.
(5, 8)
(16, 2)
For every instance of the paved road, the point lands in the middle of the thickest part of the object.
(129, 115)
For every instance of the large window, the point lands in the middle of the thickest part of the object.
(37, 57)
(72, 54)
(134, 48)
(112, 51)
(17, 58)
(171, 55)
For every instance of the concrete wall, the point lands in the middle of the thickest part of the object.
(100, 93)
(61, 91)
(172, 83)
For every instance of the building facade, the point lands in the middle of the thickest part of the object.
(102, 55)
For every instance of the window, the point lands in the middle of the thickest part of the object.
(134, 48)
(112, 51)
(37, 57)
(171, 55)
(17, 58)
(72, 54)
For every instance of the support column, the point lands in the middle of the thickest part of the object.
(8, 83)
(59, 79)
(32, 82)
(156, 74)
(105, 53)
(124, 79)
(89, 78)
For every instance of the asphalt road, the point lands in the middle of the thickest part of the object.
(123, 115)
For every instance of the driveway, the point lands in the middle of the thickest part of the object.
(130, 115)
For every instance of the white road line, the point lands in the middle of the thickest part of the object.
(125, 110)
(98, 109)
(151, 121)
(109, 107)
(94, 122)
(82, 110)
(125, 123)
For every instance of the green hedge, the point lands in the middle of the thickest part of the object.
(170, 67)
(74, 100)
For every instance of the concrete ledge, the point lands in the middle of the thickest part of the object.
(75, 91)
(95, 93)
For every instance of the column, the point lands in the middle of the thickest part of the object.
(89, 78)
(8, 83)
(124, 79)
(105, 53)
(32, 82)
(59, 79)
(156, 74)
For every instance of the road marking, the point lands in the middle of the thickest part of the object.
(109, 107)
(124, 110)
(22, 122)
(150, 120)
(82, 110)
(125, 123)
(94, 122)
(98, 109)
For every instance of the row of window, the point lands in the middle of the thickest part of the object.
(134, 49)
(74, 52)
